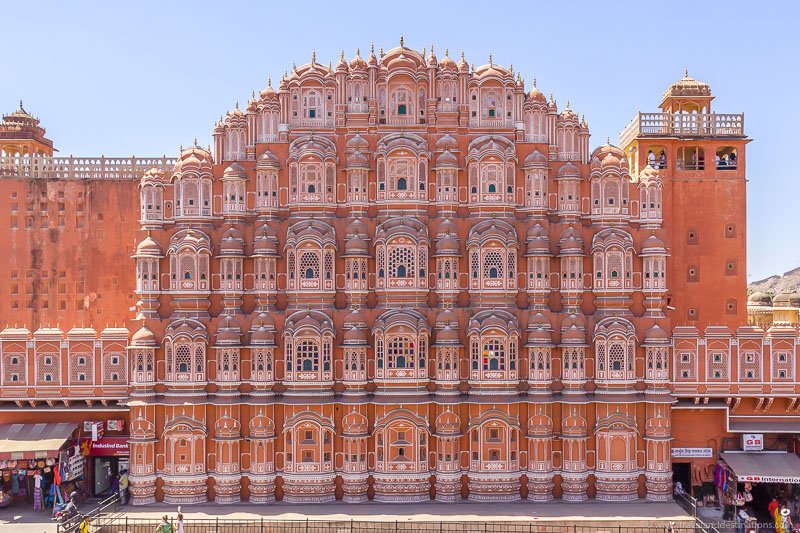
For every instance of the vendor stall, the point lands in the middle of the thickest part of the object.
(756, 479)
(29, 459)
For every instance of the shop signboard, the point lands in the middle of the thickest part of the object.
(105, 447)
(768, 479)
(691, 452)
(753, 442)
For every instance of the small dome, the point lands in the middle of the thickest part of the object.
(539, 330)
(447, 62)
(234, 171)
(194, 159)
(573, 335)
(445, 317)
(607, 149)
(568, 170)
(357, 142)
(570, 241)
(535, 159)
(154, 175)
(688, 86)
(653, 244)
(262, 330)
(656, 333)
(143, 337)
(536, 95)
(446, 142)
(231, 242)
(356, 246)
(355, 317)
(447, 245)
(356, 227)
(358, 63)
(268, 160)
(265, 241)
(355, 335)
(228, 332)
(148, 247)
(447, 335)
(446, 160)
(759, 298)
(447, 226)
(357, 160)
(538, 240)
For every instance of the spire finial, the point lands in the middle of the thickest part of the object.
(462, 55)
(402, 42)
(269, 81)
(237, 104)
(685, 73)
(342, 58)
(372, 48)
(195, 142)
(313, 57)
(534, 81)
(608, 141)
(431, 49)
(511, 68)
(567, 104)
(424, 52)
(381, 51)
(490, 59)
(358, 52)
(446, 52)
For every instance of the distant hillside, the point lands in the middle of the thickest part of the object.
(788, 282)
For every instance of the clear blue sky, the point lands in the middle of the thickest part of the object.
(143, 78)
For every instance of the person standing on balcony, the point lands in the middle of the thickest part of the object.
(662, 160)
(651, 159)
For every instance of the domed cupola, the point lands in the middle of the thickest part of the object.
(268, 160)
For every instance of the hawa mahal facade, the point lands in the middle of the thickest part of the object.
(399, 278)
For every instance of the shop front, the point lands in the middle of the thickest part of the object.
(35, 461)
(757, 486)
(106, 457)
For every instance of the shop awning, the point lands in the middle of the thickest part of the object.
(763, 424)
(34, 441)
(764, 467)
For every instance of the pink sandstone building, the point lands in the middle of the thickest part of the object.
(398, 278)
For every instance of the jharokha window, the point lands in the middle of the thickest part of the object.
(492, 257)
(402, 254)
(308, 348)
(494, 338)
(401, 346)
(312, 170)
(402, 168)
(189, 255)
(401, 445)
(310, 250)
(308, 444)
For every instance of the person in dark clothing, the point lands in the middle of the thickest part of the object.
(114, 489)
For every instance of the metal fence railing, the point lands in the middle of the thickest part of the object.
(139, 525)
(109, 505)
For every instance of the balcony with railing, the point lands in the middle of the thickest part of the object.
(683, 125)
(82, 168)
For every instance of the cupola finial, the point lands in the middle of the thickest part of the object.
(490, 59)
(534, 81)
(686, 73)
(402, 42)
(313, 57)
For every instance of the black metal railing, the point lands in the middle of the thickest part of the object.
(109, 505)
(216, 525)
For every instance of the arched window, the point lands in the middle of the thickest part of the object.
(401, 107)
(312, 105)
